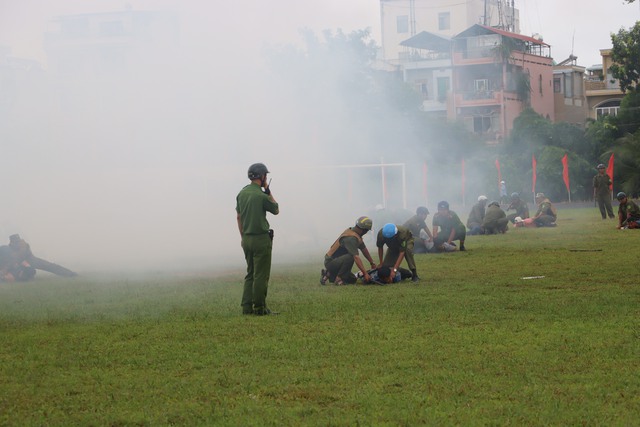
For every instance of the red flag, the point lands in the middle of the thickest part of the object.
(565, 172)
(610, 171)
(534, 164)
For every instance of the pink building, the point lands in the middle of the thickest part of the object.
(496, 75)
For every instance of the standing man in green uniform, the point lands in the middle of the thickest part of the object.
(451, 228)
(628, 212)
(547, 214)
(344, 252)
(520, 206)
(252, 205)
(399, 241)
(602, 192)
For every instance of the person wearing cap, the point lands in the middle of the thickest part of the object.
(520, 206)
(476, 216)
(344, 252)
(628, 212)
(547, 214)
(602, 191)
(447, 228)
(252, 204)
(423, 239)
(22, 256)
(399, 242)
(495, 220)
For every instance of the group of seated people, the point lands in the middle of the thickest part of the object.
(492, 219)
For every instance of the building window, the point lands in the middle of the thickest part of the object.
(481, 85)
(609, 108)
(444, 21)
(540, 83)
(402, 24)
(557, 85)
(481, 124)
(568, 86)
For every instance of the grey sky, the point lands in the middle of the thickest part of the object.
(567, 25)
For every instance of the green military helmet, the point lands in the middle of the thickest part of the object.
(364, 222)
(601, 166)
(256, 170)
(621, 195)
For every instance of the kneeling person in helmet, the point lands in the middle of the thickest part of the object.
(399, 241)
(341, 256)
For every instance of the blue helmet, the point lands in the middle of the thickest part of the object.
(389, 230)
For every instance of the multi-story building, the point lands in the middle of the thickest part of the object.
(568, 92)
(496, 74)
(403, 19)
(601, 89)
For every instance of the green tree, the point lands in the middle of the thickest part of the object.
(627, 163)
(626, 57)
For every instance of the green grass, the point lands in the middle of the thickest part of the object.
(472, 344)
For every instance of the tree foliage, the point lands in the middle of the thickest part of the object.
(626, 57)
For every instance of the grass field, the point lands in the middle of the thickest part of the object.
(472, 344)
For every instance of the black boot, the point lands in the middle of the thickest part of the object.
(414, 275)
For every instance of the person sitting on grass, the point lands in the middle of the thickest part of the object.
(628, 212)
(547, 214)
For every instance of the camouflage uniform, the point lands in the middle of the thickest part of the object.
(629, 214)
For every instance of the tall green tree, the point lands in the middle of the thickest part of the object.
(626, 57)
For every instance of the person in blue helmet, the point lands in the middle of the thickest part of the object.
(399, 242)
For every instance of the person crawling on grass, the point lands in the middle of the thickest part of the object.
(344, 252)
(382, 276)
(12, 271)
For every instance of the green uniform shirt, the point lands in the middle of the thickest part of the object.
(476, 216)
(546, 208)
(521, 207)
(447, 223)
(492, 215)
(348, 245)
(629, 211)
(415, 224)
(398, 242)
(253, 204)
(601, 184)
